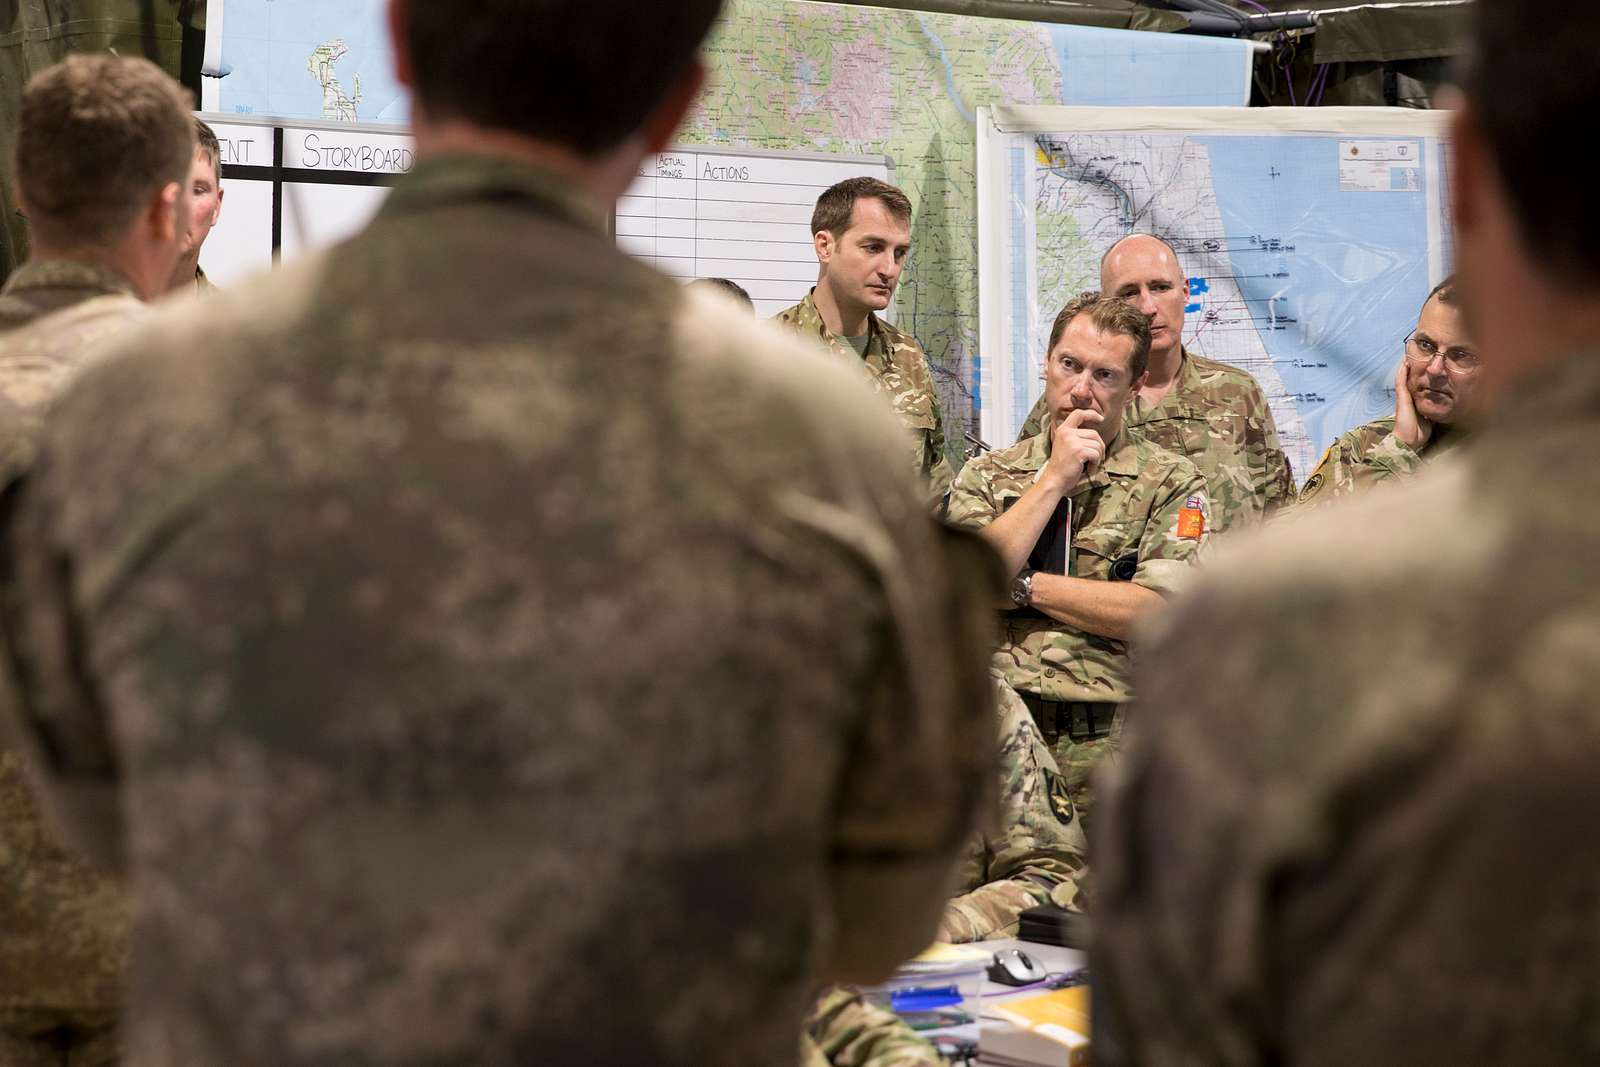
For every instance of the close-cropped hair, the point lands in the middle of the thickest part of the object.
(1447, 293)
(836, 207)
(1525, 78)
(206, 144)
(98, 137)
(583, 74)
(1108, 315)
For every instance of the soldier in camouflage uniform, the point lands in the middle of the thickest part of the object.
(1133, 514)
(1435, 391)
(1213, 413)
(1354, 821)
(472, 701)
(206, 192)
(846, 1030)
(862, 232)
(103, 150)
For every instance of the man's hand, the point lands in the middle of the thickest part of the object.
(1076, 450)
(1411, 429)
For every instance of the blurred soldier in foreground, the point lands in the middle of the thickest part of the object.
(461, 698)
(1032, 854)
(1097, 525)
(1435, 388)
(861, 229)
(103, 148)
(205, 190)
(1210, 412)
(1354, 819)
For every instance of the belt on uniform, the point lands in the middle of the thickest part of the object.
(1080, 720)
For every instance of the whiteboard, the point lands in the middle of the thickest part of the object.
(741, 215)
(292, 189)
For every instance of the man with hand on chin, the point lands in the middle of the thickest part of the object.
(1097, 524)
(1209, 412)
(1434, 389)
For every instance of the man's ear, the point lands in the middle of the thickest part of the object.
(824, 244)
(662, 124)
(161, 217)
(216, 212)
(1138, 383)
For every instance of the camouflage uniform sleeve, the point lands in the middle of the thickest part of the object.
(1179, 527)
(48, 705)
(921, 775)
(844, 1030)
(1392, 458)
(1035, 421)
(1040, 844)
(972, 502)
(1345, 469)
(1275, 479)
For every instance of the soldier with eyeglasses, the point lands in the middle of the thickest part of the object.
(1433, 386)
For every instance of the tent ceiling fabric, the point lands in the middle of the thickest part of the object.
(1347, 31)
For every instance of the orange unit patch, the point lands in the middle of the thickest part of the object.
(1191, 524)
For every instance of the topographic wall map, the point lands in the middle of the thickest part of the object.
(799, 76)
(1308, 250)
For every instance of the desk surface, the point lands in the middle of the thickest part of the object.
(1052, 958)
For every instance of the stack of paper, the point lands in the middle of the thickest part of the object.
(1049, 1030)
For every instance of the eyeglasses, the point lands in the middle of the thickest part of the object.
(1423, 351)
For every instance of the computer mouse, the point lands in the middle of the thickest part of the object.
(1013, 966)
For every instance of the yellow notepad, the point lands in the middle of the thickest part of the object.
(1051, 1030)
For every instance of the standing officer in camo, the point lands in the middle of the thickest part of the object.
(1213, 413)
(1098, 525)
(861, 230)
(102, 155)
(1435, 390)
(420, 761)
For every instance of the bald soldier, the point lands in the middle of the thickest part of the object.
(1210, 412)
(1096, 524)
(1355, 817)
(1435, 393)
(451, 697)
(861, 232)
(103, 146)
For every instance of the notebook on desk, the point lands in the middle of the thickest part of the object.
(1048, 1030)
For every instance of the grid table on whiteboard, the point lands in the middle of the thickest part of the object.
(746, 218)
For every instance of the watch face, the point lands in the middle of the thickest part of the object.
(1022, 589)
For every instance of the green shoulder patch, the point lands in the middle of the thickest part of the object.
(1060, 799)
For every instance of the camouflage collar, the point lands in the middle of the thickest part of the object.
(92, 279)
(1186, 397)
(809, 318)
(459, 177)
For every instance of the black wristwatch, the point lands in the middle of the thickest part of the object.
(1022, 588)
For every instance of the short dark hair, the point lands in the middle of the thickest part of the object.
(836, 207)
(732, 288)
(1447, 293)
(1109, 315)
(1526, 76)
(98, 136)
(206, 144)
(584, 74)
